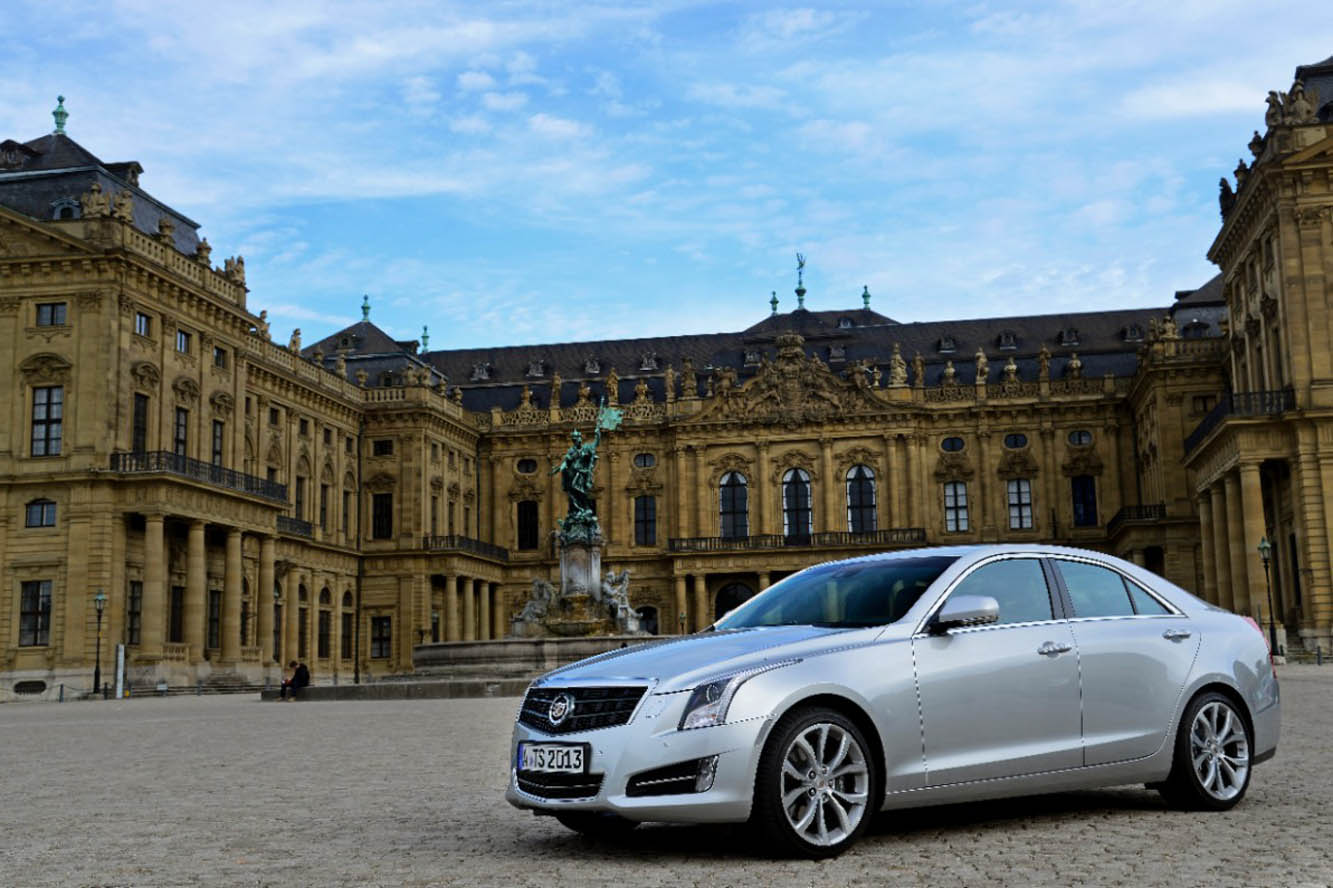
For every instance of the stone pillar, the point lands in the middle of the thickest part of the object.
(1252, 503)
(1209, 590)
(833, 519)
(231, 600)
(1311, 506)
(469, 609)
(1221, 560)
(484, 617)
(291, 618)
(759, 487)
(196, 591)
(1240, 588)
(263, 600)
(681, 605)
(703, 495)
(703, 613)
(452, 630)
(886, 486)
(763, 581)
(154, 613)
(499, 613)
(913, 492)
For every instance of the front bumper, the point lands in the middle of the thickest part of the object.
(650, 740)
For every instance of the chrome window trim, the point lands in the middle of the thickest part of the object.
(1173, 611)
(990, 559)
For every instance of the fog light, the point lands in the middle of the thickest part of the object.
(707, 771)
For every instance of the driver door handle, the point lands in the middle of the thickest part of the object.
(1052, 648)
(1176, 634)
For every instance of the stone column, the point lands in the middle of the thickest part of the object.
(1221, 560)
(1209, 591)
(1240, 588)
(499, 613)
(452, 631)
(291, 618)
(759, 486)
(763, 581)
(196, 592)
(484, 617)
(263, 600)
(1311, 506)
(702, 494)
(1252, 503)
(231, 599)
(153, 619)
(702, 611)
(681, 606)
(913, 492)
(469, 610)
(834, 519)
(886, 486)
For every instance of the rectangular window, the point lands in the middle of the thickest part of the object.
(347, 512)
(180, 438)
(299, 505)
(245, 622)
(48, 410)
(323, 507)
(219, 435)
(382, 447)
(467, 518)
(1020, 504)
(51, 314)
(219, 357)
(139, 424)
(277, 633)
(328, 437)
(182, 342)
(35, 613)
(40, 513)
(645, 521)
(345, 641)
(134, 612)
(528, 536)
(273, 416)
(143, 324)
(248, 405)
(214, 618)
(955, 507)
(325, 634)
(381, 637)
(303, 428)
(434, 452)
(381, 516)
(434, 515)
(176, 616)
(302, 634)
(1084, 489)
(451, 517)
(271, 473)
(350, 444)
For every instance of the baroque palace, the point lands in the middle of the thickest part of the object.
(219, 504)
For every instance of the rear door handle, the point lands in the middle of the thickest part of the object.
(1176, 634)
(1051, 648)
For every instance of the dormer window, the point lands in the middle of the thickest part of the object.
(536, 369)
(1006, 341)
(845, 323)
(1195, 329)
(1069, 337)
(752, 356)
(946, 345)
(481, 371)
(592, 366)
(345, 342)
(1133, 333)
(837, 353)
(65, 208)
(648, 361)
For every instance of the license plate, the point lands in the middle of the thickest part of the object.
(559, 758)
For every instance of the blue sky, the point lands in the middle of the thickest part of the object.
(517, 172)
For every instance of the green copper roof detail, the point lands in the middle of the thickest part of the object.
(865, 296)
(774, 302)
(61, 115)
(365, 307)
(425, 337)
(800, 281)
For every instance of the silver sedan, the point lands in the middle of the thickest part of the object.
(915, 678)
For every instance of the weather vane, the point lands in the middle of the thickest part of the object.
(800, 270)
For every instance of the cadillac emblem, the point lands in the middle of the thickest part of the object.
(561, 707)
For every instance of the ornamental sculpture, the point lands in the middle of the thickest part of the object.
(576, 479)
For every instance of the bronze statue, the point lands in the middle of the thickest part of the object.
(576, 473)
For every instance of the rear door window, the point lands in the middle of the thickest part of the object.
(1018, 585)
(1143, 602)
(1095, 591)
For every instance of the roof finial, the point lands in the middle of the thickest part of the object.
(800, 281)
(61, 115)
(774, 302)
(865, 296)
(425, 337)
(365, 307)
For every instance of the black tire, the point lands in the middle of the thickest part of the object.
(596, 824)
(769, 818)
(1185, 787)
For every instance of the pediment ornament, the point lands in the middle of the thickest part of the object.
(1082, 461)
(794, 459)
(222, 403)
(857, 456)
(731, 462)
(1016, 464)
(146, 375)
(186, 389)
(44, 368)
(381, 482)
(953, 467)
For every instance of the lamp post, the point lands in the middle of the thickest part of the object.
(1266, 553)
(277, 626)
(99, 602)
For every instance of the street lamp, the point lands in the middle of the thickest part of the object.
(1266, 553)
(99, 602)
(277, 626)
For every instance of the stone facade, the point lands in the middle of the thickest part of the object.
(240, 503)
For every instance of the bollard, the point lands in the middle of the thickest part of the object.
(1318, 655)
(62, 694)
(106, 691)
(198, 688)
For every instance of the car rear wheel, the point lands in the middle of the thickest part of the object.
(814, 788)
(1211, 768)
(596, 824)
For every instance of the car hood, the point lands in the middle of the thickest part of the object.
(682, 663)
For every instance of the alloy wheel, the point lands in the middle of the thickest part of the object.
(825, 784)
(1219, 750)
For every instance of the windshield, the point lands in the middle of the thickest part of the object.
(852, 594)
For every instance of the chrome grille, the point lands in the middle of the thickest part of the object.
(559, 786)
(593, 708)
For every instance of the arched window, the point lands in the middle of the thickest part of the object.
(301, 594)
(1084, 490)
(527, 524)
(861, 499)
(735, 506)
(796, 504)
(326, 597)
(732, 596)
(648, 620)
(347, 598)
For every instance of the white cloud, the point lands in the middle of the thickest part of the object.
(736, 95)
(419, 93)
(471, 125)
(510, 101)
(551, 127)
(475, 81)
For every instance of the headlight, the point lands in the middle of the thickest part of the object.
(709, 701)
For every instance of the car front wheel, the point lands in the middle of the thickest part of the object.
(814, 785)
(1211, 768)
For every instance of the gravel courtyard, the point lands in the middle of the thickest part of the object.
(230, 791)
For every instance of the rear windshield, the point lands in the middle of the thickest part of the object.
(853, 594)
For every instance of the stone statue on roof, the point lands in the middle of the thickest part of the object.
(93, 202)
(983, 365)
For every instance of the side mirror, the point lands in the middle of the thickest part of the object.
(966, 610)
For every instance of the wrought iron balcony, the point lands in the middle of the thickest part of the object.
(1152, 512)
(1269, 403)
(295, 526)
(166, 462)
(465, 544)
(896, 536)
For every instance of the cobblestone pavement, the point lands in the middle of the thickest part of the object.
(230, 791)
